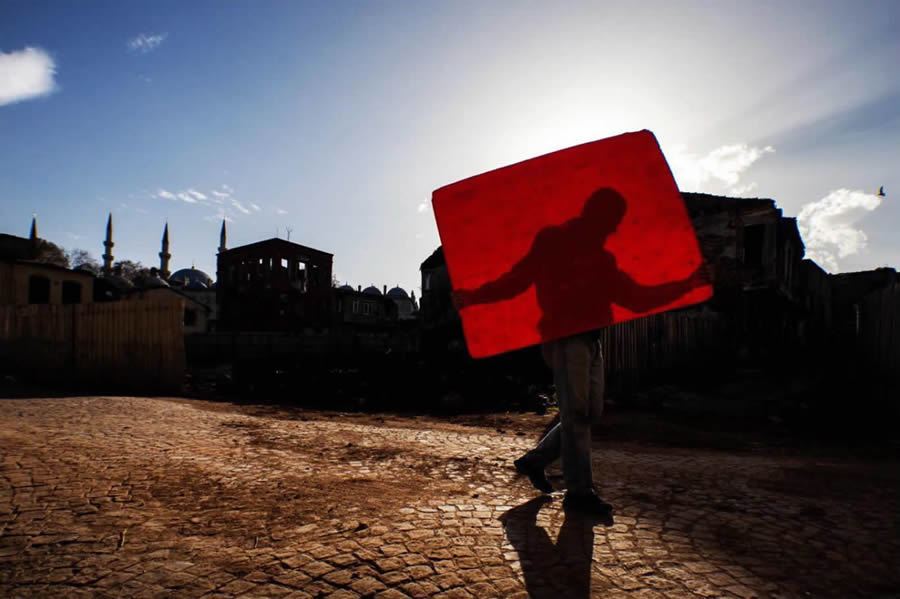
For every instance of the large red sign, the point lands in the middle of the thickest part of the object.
(568, 242)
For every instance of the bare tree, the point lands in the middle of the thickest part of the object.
(82, 259)
(131, 270)
(50, 253)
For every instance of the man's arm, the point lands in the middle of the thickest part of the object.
(506, 286)
(630, 294)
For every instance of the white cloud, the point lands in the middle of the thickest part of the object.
(220, 200)
(743, 189)
(829, 226)
(723, 166)
(74, 236)
(422, 207)
(728, 162)
(144, 43)
(239, 206)
(26, 74)
(280, 211)
(189, 195)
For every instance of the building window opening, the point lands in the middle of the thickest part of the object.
(356, 306)
(71, 292)
(38, 290)
(754, 236)
(300, 281)
(366, 308)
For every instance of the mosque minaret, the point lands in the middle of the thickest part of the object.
(164, 255)
(108, 244)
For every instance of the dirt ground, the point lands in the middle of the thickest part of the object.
(156, 497)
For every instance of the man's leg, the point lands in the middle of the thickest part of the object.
(572, 372)
(580, 495)
(578, 373)
(533, 463)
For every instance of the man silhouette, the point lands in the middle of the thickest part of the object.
(576, 360)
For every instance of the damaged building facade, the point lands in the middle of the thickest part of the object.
(273, 285)
(755, 259)
(770, 306)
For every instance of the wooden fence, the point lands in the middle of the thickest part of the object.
(135, 346)
(639, 350)
(878, 335)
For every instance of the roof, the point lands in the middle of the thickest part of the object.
(788, 226)
(372, 290)
(191, 276)
(274, 243)
(398, 293)
(157, 290)
(48, 266)
(882, 272)
(151, 281)
(13, 247)
(435, 259)
(700, 201)
(118, 281)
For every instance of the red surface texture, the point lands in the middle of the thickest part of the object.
(568, 242)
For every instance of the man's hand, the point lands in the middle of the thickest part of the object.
(700, 277)
(459, 298)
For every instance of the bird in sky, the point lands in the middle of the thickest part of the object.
(881, 191)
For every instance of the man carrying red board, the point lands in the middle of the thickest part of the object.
(549, 250)
(576, 360)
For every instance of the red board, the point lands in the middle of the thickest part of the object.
(568, 242)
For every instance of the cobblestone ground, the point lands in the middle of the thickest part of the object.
(143, 497)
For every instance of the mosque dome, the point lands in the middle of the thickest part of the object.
(397, 293)
(372, 290)
(191, 276)
(345, 287)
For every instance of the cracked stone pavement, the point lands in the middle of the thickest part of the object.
(158, 497)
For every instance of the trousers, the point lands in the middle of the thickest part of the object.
(577, 364)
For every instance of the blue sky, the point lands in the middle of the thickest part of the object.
(338, 119)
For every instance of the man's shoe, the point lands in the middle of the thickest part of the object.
(535, 474)
(586, 503)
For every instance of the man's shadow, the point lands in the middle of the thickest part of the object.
(576, 278)
(553, 571)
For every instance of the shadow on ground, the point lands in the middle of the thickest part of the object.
(553, 569)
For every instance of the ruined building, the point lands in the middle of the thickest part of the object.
(273, 285)
(755, 255)
(767, 300)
